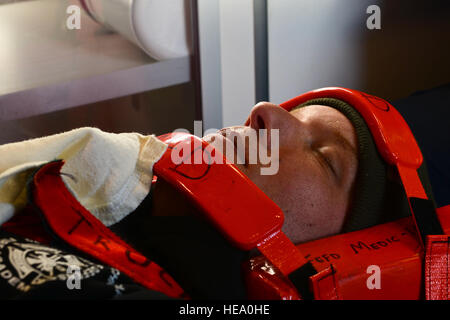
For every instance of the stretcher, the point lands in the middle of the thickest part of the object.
(403, 259)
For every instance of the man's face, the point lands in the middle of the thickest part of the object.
(317, 164)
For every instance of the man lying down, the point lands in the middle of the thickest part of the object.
(330, 179)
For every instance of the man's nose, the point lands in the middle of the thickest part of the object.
(277, 121)
(269, 116)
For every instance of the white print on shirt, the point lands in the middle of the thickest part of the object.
(27, 264)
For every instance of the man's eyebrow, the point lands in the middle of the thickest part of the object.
(342, 141)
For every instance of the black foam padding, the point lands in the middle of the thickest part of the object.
(426, 217)
(300, 279)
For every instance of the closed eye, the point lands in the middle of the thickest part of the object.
(327, 162)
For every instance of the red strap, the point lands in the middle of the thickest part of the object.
(282, 253)
(444, 218)
(69, 220)
(437, 268)
(411, 181)
(413, 188)
(28, 224)
(325, 284)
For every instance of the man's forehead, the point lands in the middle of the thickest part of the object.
(330, 119)
(318, 109)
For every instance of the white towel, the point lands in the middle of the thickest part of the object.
(112, 172)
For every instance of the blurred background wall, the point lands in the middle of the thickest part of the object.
(154, 112)
(314, 44)
(310, 44)
(11, 1)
